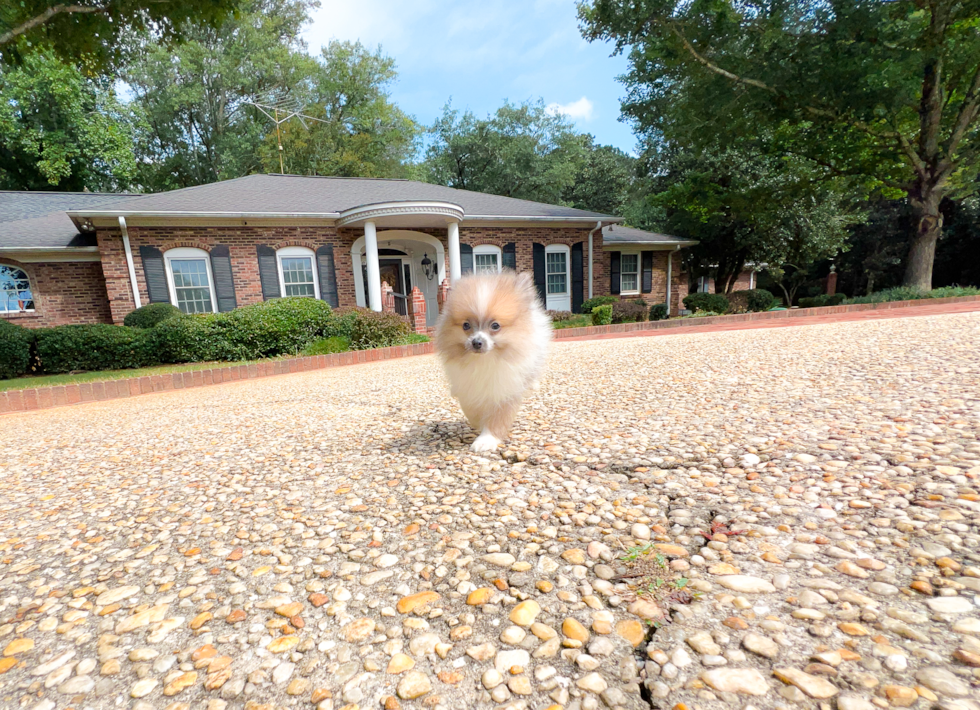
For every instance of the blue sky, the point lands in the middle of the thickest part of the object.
(481, 52)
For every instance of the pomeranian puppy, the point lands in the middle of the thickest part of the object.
(492, 338)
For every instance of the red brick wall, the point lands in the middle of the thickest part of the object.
(242, 241)
(678, 278)
(65, 293)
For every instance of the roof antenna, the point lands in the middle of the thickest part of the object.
(280, 107)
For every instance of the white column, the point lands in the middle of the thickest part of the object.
(373, 269)
(455, 267)
(670, 264)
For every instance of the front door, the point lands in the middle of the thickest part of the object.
(559, 295)
(391, 274)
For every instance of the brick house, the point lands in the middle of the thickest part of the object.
(93, 258)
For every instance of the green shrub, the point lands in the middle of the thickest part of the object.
(71, 348)
(589, 304)
(327, 346)
(602, 315)
(343, 320)
(282, 326)
(377, 330)
(149, 315)
(954, 291)
(628, 312)
(194, 338)
(904, 293)
(15, 350)
(714, 302)
(824, 299)
(658, 311)
(760, 300)
(560, 316)
(414, 339)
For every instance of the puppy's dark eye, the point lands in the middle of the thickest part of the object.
(466, 326)
(495, 326)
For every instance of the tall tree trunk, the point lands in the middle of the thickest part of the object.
(922, 251)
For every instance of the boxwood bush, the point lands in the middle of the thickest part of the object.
(282, 326)
(372, 329)
(151, 314)
(754, 300)
(602, 315)
(824, 299)
(628, 312)
(70, 348)
(713, 302)
(15, 350)
(658, 311)
(590, 303)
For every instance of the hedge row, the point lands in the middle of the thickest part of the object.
(283, 326)
(755, 300)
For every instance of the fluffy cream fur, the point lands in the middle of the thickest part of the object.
(492, 338)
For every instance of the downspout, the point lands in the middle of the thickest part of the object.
(670, 277)
(598, 225)
(129, 262)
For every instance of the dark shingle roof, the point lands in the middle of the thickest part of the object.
(618, 234)
(38, 219)
(284, 194)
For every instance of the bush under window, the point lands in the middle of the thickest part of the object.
(602, 315)
(713, 302)
(15, 350)
(377, 330)
(151, 314)
(590, 303)
(658, 311)
(628, 312)
(71, 348)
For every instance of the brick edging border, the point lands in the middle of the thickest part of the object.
(747, 317)
(12, 401)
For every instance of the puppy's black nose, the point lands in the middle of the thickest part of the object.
(477, 343)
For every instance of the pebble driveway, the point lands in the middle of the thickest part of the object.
(761, 519)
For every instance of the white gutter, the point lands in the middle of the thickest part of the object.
(222, 215)
(598, 226)
(54, 250)
(670, 267)
(129, 262)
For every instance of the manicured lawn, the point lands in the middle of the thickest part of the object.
(22, 383)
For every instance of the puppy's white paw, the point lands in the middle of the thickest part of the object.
(485, 442)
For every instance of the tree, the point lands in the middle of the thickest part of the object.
(885, 90)
(98, 31)
(360, 131)
(605, 180)
(743, 206)
(60, 130)
(190, 97)
(520, 151)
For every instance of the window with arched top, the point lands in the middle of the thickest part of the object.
(190, 280)
(16, 295)
(297, 272)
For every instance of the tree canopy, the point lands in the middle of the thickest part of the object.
(103, 33)
(60, 130)
(888, 91)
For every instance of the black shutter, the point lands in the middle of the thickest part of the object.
(510, 256)
(155, 275)
(268, 271)
(328, 276)
(578, 280)
(647, 265)
(539, 278)
(224, 284)
(614, 279)
(465, 259)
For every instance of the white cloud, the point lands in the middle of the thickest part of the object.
(581, 109)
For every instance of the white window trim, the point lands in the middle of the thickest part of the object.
(559, 249)
(188, 253)
(704, 284)
(30, 287)
(639, 273)
(293, 252)
(489, 249)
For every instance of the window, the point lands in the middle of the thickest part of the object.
(15, 290)
(486, 259)
(703, 284)
(297, 272)
(629, 266)
(557, 271)
(191, 284)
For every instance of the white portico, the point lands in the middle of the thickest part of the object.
(395, 250)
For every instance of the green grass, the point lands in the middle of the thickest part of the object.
(414, 339)
(327, 346)
(21, 383)
(576, 321)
